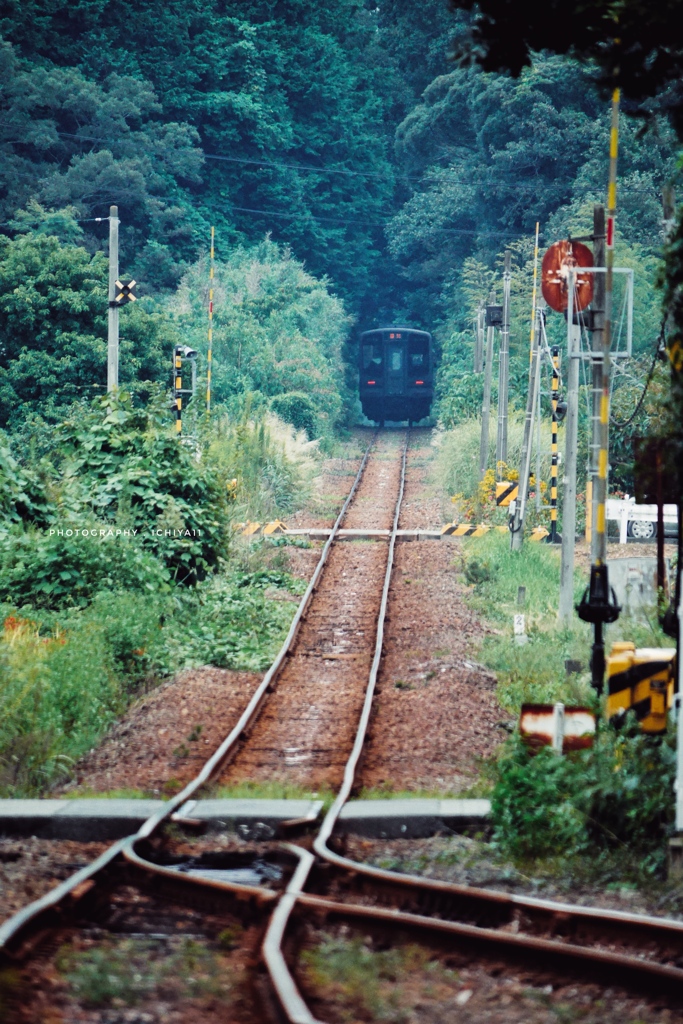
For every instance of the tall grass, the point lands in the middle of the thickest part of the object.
(457, 461)
(66, 676)
(63, 684)
(271, 462)
(532, 672)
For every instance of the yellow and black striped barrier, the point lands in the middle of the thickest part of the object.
(554, 451)
(479, 529)
(641, 680)
(277, 526)
(506, 492)
(464, 530)
(252, 529)
(469, 529)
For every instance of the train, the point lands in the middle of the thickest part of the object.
(396, 371)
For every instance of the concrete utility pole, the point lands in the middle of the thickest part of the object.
(486, 405)
(598, 358)
(479, 341)
(569, 478)
(113, 331)
(517, 525)
(504, 368)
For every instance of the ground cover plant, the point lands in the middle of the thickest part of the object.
(134, 972)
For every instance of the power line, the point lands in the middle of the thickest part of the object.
(245, 161)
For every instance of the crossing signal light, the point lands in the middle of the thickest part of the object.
(125, 293)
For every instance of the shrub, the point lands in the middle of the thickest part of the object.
(614, 798)
(224, 623)
(298, 409)
(22, 496)
(127, 468)
(46, 570)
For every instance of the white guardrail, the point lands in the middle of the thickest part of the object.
(643, 518)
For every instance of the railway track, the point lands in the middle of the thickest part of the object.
(307, 722)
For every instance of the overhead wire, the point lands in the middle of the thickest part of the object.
(648, 380)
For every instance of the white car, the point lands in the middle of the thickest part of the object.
(640, 521)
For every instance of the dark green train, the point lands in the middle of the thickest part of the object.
(396, 367)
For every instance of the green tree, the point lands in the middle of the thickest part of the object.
(277, 331)
(53, 329)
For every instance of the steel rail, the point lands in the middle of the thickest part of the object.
(562, 954)
(479, 902)
(46, 908)
(290, 998)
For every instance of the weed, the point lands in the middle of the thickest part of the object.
(274, 790)
(401, 684)
(367, 984)
(195, 734)
(478, 571)
(132, 970)
(181, 751)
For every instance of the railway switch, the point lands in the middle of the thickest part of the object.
(641, 680)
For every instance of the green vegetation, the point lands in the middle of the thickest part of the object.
(371, 984)
(602, 813)
(455, 472)
(273, 791)
(118, 567)
(129, 972)
(612, 804)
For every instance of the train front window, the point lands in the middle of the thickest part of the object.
(395, 358)
(418, 353)
(372, 357)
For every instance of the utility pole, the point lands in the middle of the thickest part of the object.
(504, 368)
(598, 604)
(479, 341)
(569, 478)
(597, 359)
(113, 326)
(488, 379)
(517, 517)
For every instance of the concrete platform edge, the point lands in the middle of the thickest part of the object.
(90, 820)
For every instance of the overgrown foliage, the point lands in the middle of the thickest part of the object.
(277, 334)
(614, 799)
(126, 468)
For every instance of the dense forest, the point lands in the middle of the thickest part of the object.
(386, 178)
(355, 173)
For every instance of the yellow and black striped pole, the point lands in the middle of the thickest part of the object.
(598, 604)
(177, 389)
(553, 538)
(209, 355)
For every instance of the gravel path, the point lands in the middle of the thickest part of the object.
(165, 738)
(436, 712)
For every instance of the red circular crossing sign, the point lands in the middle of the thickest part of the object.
(557, 262)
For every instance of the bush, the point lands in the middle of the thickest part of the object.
(227, 623)
(298, 409)
(616, 798)
(127, 468)
(46, 570)
(22, 496)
